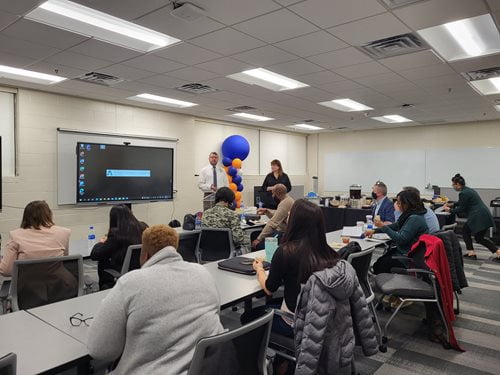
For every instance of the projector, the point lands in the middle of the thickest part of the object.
(187, 12)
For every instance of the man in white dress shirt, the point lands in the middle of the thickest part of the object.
(211, 178)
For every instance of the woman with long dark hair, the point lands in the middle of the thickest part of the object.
(303, 251)
(277, 176)
(479, 218)
(124, 230)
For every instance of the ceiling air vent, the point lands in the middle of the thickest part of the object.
(99, 79)
(482, 74)
(242, 108)
(391, 4)
(394, 46)
(196, 88)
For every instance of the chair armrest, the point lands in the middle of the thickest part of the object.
(401, 257)
(419, 270)
(5, 290)
(113, 273)
(284, 314)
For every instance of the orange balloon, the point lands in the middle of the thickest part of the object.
(233, 186)
(236, 163)
(226, 169)
(238, 204)
(229, 178)
(237, 195)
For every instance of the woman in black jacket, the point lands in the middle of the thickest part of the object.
(277, 176)
(124, 230)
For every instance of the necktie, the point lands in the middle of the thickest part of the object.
(215, 177)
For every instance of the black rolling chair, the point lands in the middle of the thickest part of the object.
(38, 282)
(130, 262)
(214, 244)
(187, 245)
(238, 352)
(8, 364)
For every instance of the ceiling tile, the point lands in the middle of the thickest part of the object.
(225, 66)
(436, 12)
(381, 80)
(320, 78)
(76, 60)
(19, 7)
(494, 5)
(311, 94)
(38, 33)
(26, 49)
(427, 72)
(125, 72)
(230, 12)
(341, 86)
(362, 70)
(101, 50)
(411, 60)
(312, 44)
(295, 68)
(15, 60)
(187, 54)
(369, 29)
(6, 19)
(57, 69)
(265, 56)
(276, 26)
(328, 13)
(227, 41)
(286, 3)
(192, 74)
(137, 87)
(153, 64)
(340, 58)
(164, 22)
(126, 9)
(163, 81)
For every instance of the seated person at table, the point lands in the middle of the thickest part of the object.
(430, 216)
(382, 206)
(221, 216)
(37, 237)
(277, 223)
(124, 230)
(302, 252)
(152, 319)
(404, 233)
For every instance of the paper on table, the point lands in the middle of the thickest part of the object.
(352, 232)
(381, 236)
(336, 245)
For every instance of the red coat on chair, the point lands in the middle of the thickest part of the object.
(436, 260)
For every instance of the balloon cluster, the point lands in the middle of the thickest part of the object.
(235, 149)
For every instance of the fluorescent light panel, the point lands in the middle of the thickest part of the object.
(79, 19)
(28, 75)
(489, 86)
(305, 127)
(497, 107)
(392, 119)
(149, 98)
(251, 117)
(462, 39)
(267, 79)
(346, 105)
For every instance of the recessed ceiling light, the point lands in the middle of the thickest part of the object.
(346, 105)
(488, 86)
(79, 19)
(28, 75)
(149, 98)
(251, 117)
(267, 79)
(305, 127)
(462, 39)
(392, 119)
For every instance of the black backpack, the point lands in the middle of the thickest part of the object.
(189, 222)
(350, 248)
(174, 223)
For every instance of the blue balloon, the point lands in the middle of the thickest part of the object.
(232, 171)
(227, 161)
(237, 179)
(240, 187)
(235, 146)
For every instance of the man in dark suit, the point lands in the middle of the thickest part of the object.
(382, 206)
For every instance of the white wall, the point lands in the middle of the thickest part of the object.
(477, 134)
(40, 114)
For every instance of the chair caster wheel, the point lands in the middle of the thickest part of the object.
(384, 340)
(383, 348)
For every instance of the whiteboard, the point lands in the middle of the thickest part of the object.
(396, 168)
(66, 156)
(478, 165)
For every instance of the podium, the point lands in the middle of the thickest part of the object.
(208, 201)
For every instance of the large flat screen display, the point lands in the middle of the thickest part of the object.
(119, 173)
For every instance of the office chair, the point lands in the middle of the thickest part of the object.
(238, 352)
(130, 262)
(187, 245)
(8, 364)
(38, 282)
(214, 244)
(449, 227)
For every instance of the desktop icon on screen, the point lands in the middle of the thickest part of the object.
(102, 147)
(82, 176)
(82, 145)
(82, 161)
(82, 191)
(81, 183)
(88, 147)
(82, 168)
(82, 153)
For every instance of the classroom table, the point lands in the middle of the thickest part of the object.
(39, 347)
(365, 243)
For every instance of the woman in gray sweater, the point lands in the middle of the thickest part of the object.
(152, 318)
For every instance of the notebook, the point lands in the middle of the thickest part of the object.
(240, 265)
(356, 232)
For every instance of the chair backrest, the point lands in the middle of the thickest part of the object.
(8, 364)
(38, 282)
(240, 352)
(187, 245)
(131, 260)
(214, 244)
(361, 263)
(449, 227)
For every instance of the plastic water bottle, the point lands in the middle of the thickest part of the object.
(242, 215)
(197, 221)
(261, 204)
(369, 222)
(91, 238)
